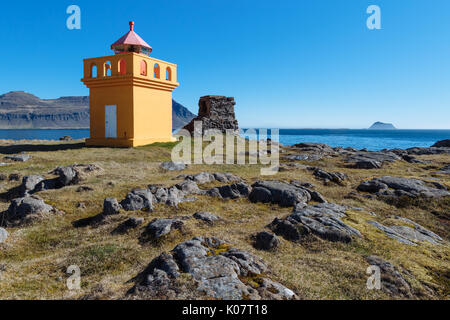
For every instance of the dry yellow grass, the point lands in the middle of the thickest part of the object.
(35, 257)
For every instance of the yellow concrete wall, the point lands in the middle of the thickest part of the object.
(152, 114)
(144, 102)
(122, 97)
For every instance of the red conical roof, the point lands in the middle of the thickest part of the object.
(131, 38)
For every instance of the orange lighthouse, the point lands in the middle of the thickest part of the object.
(130, 95)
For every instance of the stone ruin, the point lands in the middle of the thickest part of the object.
(215, 112)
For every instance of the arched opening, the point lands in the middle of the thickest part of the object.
(143, 68)
(122, 66)
(107, 69)
(169, 74)
(156, 70)
(93, 70)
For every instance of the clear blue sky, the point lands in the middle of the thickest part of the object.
(289, 64)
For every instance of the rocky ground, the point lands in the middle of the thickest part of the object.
(141, 227)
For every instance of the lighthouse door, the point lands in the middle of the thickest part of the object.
(110, 121)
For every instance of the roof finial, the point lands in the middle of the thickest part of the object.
(131, 25)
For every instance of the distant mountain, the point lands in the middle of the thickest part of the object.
(180, 115)
(22, 110)
(382, 126)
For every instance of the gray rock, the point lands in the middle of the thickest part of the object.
(218, 270)
(138, 199)
(206, 216)
(236, 190)
(23, 210)
(29, 183)
(20, 157)
(445, 169)
(442, 144)
(411, 187)
(288, 229)
(173, 166)
(226, 177)
(406, 234)
(304, 157)
(412, 159)
(111, 206)
(374, 158)
(314, 147)
(367, 164)
(391, 233)
(160, 227)
(324, 220)
(266, 241)
(67, 175)
(201, 178)
(279, 192)
(392, 282)
(336, 177)
(189, 187)
(372, 186)
(428, 151)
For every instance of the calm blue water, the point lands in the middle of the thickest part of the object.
(359, 139)
(370, 139)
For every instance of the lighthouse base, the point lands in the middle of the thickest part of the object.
(126, 143)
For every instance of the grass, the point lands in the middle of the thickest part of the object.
(35, 257)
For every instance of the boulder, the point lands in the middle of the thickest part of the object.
(372, 186)
(336, 177)
(407, 234)
(67, 175)
(236, 190)
(445, 169)
(304, 157)
(442, 144)
(266, 241)
(29, 183)
(392, 282)
(173, 166)
(402, 187)
(323, 220)
(216, 269)
(313, 147)
(160, 227)
(278, 192)
(189, 187)
(138, 199)
(367, 164)
(206, 216)
(23, 210)
(19, 158)
(111, 206)
(289, 230)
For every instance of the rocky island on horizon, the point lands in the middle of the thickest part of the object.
(382, 126)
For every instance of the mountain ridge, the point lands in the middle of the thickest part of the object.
(23, 110)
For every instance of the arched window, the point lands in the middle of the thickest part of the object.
(93, 71)
(169, 74)
(143, 68)
(107, 69)
(122, 66)
(156, 70)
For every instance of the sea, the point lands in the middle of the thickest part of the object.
(370, 139)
